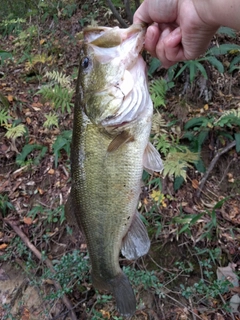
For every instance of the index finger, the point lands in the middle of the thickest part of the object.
(142, 14)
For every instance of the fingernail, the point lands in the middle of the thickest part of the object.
(176, 33)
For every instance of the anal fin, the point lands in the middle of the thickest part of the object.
(152, 160)
(136, 242)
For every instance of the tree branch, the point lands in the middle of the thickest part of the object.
(128, 11)
(116, 14)
(46, 261)
(212, 164)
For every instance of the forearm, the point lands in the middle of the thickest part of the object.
(219, 12)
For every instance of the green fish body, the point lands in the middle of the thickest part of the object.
(110, 148)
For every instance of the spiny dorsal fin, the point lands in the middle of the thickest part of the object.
(119, 140)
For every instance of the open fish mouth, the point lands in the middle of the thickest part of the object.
(127, 91)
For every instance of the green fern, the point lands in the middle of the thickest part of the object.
(163, 144)
(52, 120)
(176, 162)
(229, 118)
(60, 78)
(158, 89)
(15, 132)
(4, 117)
(60, 97)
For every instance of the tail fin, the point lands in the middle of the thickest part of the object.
(124, 295)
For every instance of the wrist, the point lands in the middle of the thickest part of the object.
(218, 13)
(206, 12)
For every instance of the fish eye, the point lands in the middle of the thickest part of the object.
(85, 62)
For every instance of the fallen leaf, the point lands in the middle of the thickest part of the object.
(105, 314)
(145, 201)
(10, 98)
(25, 314)
(28, 120)
(234, 302)
(51, 171)
(27, 220)
(37, 105)
(206, 107)
(226, 273)
(195, 184)
(41, 191)
(42, 41)
(3, 246)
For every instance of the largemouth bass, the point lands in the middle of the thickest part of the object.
(110, 148)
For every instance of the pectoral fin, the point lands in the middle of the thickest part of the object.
(119, 140)
(152, 160)
(136, 243)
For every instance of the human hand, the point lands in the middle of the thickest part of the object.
(176, 32)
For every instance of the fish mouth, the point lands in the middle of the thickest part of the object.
(105, 37)
(115, 43)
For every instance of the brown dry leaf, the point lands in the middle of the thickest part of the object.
(10, 98)
(28, 120)
(48, 281)
(27, 220)
(3, 246)
(105, 314)
(195, 184)
(37, 105)
(25, 314)
(41, 191)
(228, 274)
(42, 41)
(205, 107)
(51, 171)
(145, 201)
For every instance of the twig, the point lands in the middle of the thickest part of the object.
(128, 11)
(212, 164)
(47, 262)
(116, 14)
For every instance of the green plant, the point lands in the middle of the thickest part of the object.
(27, 151)
(58, 91)
(62, 142)
(158, 89)
(5, 204)
(197, 130)
(52, 120)
(49, 215)
(60, 97)
(4, 55)
(147, 279)
(227, 31)
(195, 66)
(207, 288)
(4, 117)
(15, 132)
(8, 26)
(26, 37)
(71, 270)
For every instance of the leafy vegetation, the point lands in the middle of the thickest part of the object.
(196, 119)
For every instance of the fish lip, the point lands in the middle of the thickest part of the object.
(121, 34)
